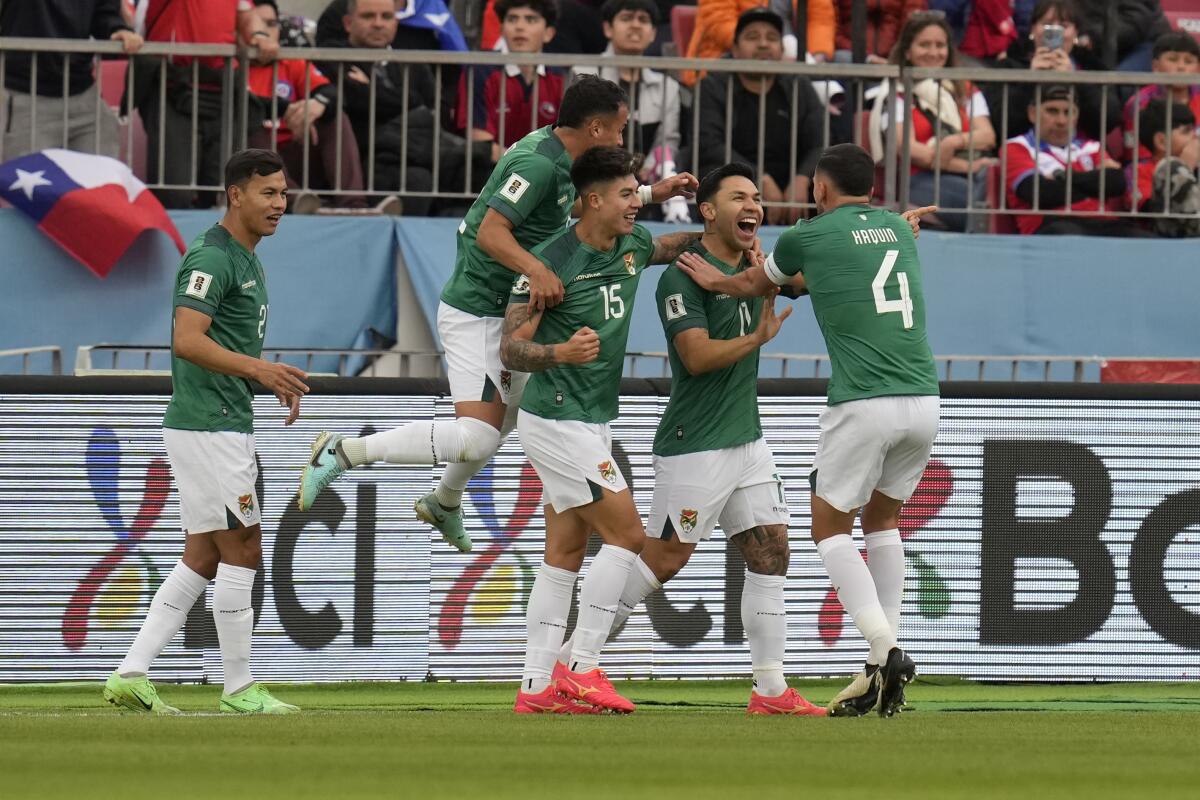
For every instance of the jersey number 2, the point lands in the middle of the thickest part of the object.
(614, 306)
(262, 320)
(882, 304)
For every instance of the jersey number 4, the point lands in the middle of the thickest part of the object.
(882, 304)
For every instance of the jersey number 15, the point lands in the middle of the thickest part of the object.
(884, 306)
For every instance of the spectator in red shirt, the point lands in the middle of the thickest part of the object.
(990, 29)
(169, 125)
(304, 99)
(510, 102)
(1174, 53)
(1172, 154)
(1037, 169)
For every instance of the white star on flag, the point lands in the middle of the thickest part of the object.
(28, 181)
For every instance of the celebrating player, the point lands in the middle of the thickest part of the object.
(710, 459)
(860, 266)
(576, 351)
(527, 200)
(219, 324)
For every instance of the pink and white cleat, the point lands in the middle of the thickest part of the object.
(790, 702)
(550, 701)
(594, 688)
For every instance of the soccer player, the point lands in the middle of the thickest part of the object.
(216, 343)
(711, 462)
(527, 200)
(576, 351)
(860, 266)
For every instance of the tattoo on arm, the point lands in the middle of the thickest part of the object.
(522, 354)
(765, 549)
(669, 247)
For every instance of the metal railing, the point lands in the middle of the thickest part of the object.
(449, 169)
(26, 354)
(101, 359)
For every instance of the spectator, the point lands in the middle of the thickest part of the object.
(717, 20)
(1173, 155)
(1036, 169)
(951, 134)
(759, 36)
(304, 100)
(1123, 31)
(958, 14)
(884, 20)
(70, 120)
(1174, 53)
(579, 29)
(502, 110)
(631, 26)
(1074, 54)
(990, 30)
(169, 125)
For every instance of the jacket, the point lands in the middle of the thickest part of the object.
(717, 19)
(885, 18)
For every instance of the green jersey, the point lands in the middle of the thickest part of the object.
(225, 281)
(862, 271)
(599, 290)
(531, 186)
(717, 409)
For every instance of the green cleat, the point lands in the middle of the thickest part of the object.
(327, 462)
(447, 520)
(255, 699)
(136, 694)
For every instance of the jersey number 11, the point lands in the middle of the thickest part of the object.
(882, 304)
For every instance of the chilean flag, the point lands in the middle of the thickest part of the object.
(92, 206)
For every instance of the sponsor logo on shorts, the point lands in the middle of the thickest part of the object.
(688, 518)
(246, 504)
(673, 305)
(629, 265)
(198, 284)
(505, 380)
(607, 471)
(514, 187)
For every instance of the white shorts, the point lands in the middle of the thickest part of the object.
(573, 459)
(216, 473)
(881, 443)
(737, 487)
(472, 347)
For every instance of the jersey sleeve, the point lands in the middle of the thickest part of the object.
(680, 303)
(528, 180)
(787, 259)
(644, 242)
(205, 277)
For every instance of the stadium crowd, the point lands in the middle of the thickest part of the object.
(410, 132)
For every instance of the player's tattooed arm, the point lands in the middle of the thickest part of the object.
(518, 350)
(752, 282)
(669, 247)
(765, 549)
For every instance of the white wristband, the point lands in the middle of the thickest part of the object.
(645, 194)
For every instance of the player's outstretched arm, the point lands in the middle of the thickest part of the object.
(497, 240)
(681, 184)
(192, 343)
(518, 350)
(752, 282)
(913, 218)
(700, 354)
(670, 246)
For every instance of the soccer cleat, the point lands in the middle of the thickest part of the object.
(593, 687)
(896, 672)
(449, 521)
(860, 697)
(790, 702)
(255, 699)
(550, 701)
(136, 694)
(327, 462)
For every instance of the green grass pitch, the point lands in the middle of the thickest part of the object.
(687, 740)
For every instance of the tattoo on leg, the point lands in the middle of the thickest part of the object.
(765, 549)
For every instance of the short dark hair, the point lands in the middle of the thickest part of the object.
(245, 164)
(270, 3)
(1056, 91)
(1153, 119)
(590, 96)
(601, 165)
(1176, 42)
(548, 9)
(610, 9)
(712, 181)
(850, 168)
(1065, 10)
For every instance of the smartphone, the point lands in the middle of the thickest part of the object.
(1053, 37)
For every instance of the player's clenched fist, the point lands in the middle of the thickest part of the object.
(581, 348)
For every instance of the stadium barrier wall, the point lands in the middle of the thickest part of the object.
(1053, 538)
